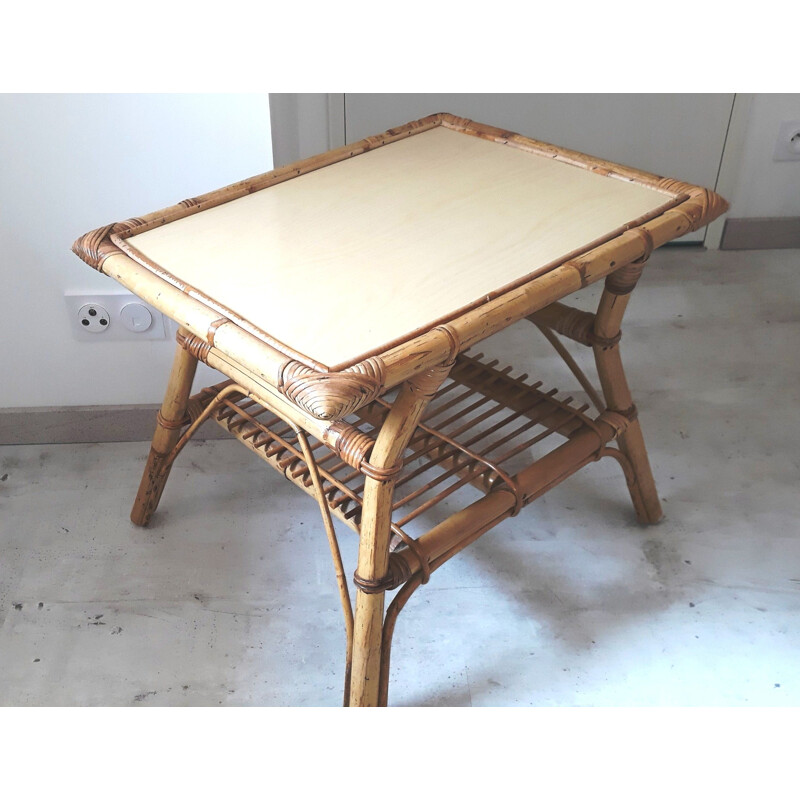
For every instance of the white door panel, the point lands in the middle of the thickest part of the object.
(677, 135)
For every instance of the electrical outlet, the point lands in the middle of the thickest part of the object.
(93, 318)
(787, 148)
(113, 318)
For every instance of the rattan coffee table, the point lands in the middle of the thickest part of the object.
(338, 297)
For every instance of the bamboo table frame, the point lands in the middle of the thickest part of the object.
(353, 434)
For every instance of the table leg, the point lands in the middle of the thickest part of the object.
(617, 394)
(168, 428)
(373, 550)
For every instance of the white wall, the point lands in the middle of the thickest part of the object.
(305, 128)
(767, 188)
(71, 163)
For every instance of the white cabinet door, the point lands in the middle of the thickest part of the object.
(677, 135)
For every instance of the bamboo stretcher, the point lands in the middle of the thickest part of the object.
(365, 391)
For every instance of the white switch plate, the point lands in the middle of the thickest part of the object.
(116, 331)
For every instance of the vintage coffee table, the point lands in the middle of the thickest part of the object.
(338, 296)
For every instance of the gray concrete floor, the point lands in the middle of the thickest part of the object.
(228, 598)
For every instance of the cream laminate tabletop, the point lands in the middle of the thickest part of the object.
(347, 260)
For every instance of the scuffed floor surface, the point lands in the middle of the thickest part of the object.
(228, 598)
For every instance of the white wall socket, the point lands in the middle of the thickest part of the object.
(113, 318)
(787, 148)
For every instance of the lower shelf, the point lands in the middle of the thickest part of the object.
(486, 433)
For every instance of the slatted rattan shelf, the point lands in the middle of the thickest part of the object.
(480, 420)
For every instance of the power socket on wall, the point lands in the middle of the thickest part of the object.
(114, 318)
(787, 148)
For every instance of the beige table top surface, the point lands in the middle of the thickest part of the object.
(345, 261)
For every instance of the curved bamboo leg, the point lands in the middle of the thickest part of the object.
(333, 543)
(168, 428)
(403, 595)
(373, 550)
(617, 394)
(395, 607)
